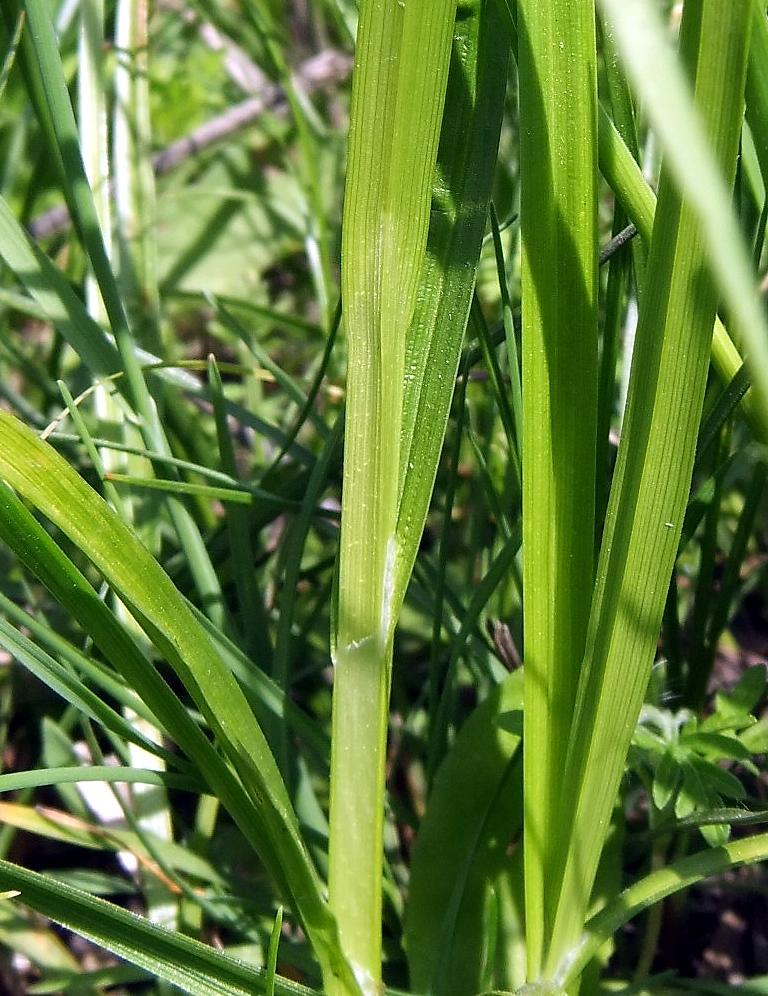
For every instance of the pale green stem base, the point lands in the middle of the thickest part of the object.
(361, 695)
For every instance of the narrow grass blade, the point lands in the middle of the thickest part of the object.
(653, 473)
(558, 223)
(206, 491)
(250, 598)
(133, 176)
(41, 63)
(17, 781)
(674, 878)
(757, 85)
(55, 297)
(465, 163)
(10, 56)
(188, 964)
(72, 689)
(294, 548)
(44, 479)
(398, 94)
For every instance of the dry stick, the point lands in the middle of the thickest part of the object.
(617, 242)
(326, 67)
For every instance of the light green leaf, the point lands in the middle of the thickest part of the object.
(558, 227)
(465, 162)
(403, 353)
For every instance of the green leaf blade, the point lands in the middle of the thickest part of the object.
(558, 98)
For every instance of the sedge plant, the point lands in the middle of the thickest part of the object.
(189, 633)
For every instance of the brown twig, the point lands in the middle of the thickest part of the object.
(321, 70)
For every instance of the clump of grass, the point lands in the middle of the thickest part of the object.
(208, 556)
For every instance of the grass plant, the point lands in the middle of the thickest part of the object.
(279, 528)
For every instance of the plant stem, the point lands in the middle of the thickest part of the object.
(401, 69)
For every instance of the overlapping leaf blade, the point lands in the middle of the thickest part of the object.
(653, 474)
(259, 801)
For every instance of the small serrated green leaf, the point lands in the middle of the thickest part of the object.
(717, 746)
(666, 780)
(717, 779)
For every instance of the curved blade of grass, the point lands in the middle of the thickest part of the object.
(558, 222)
(188, 964)
(656, 453)
(268, 700)
(45, 480)
(54, 295)
(54, 824)
(37, 551)
(208, 491)
(652, 889)
(162, 862)
(73, 690)
(10, 55)
(18, 780)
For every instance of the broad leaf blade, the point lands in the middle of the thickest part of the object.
(401, 68)
(462, 851)
(558, 225)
